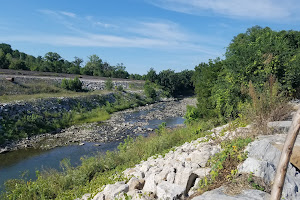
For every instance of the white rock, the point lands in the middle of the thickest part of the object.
(150, 185)
(245, 195)
(162, 176)
(139, 174)
(154, 170)
(262, 161)
(135, 183)
(139, 195)
(111, 191)
(259, 168)
(145, 167)
(182, 156)
(182, 176)
(201, 157)
(195, 187)
(99, 196)
(171, 177)
(282, 126)
(202, 172)
(169, 191)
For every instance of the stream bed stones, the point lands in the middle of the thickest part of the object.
(131, 122)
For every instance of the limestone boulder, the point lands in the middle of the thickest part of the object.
(263, 158)
(245, 195)
(169, 191)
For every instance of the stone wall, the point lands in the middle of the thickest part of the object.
(88, 84)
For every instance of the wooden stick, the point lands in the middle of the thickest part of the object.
(285, 157)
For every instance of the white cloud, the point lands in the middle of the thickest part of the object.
(68, 14)
(105, 25)
(102, 40)
(154, 34)
(163, 30)
(254, 9)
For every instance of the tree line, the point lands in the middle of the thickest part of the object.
(174, 83)
(53, 62)
(250, 60)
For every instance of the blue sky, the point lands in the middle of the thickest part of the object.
(163, 34)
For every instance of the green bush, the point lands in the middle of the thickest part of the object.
(120, 88)
(191, 115)
(149, 91)
(109, 84)
(74, 85)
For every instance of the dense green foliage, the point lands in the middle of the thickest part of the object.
(149, 90)
(252, 56)
(72, 84)
(173, 83)
(53, 62)
(94, 172)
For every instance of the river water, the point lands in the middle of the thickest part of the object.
(27, 161)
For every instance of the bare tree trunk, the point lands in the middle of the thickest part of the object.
(285, 157)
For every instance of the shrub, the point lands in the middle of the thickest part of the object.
(120, 88)
(149, 91)
(191, 115)
(74, 85)
(109, 84)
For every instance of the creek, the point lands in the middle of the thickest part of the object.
(25, 162)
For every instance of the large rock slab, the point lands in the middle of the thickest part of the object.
(169, 191)
(202, 155)
(262, 161)
(218, 193)
(280, 126)
(150, 185)
(110, 192)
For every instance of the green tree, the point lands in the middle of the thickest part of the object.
(18, 64)
(6, 48)
(4, 63)
(151, 75)
(252, 56)
(149, 90)
(93, 67)
(120, 72)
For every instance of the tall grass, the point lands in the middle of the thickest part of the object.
(268, 104)
(95, 115)
(94, 172)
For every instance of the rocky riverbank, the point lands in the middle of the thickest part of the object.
(177, 174)
(131, 122)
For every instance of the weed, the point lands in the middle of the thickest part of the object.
(223, 165)
(267, 105)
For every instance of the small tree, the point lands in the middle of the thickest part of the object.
(109, 84)
(149, 91)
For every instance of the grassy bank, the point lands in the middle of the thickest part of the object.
(43, 122)
(100, 170)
